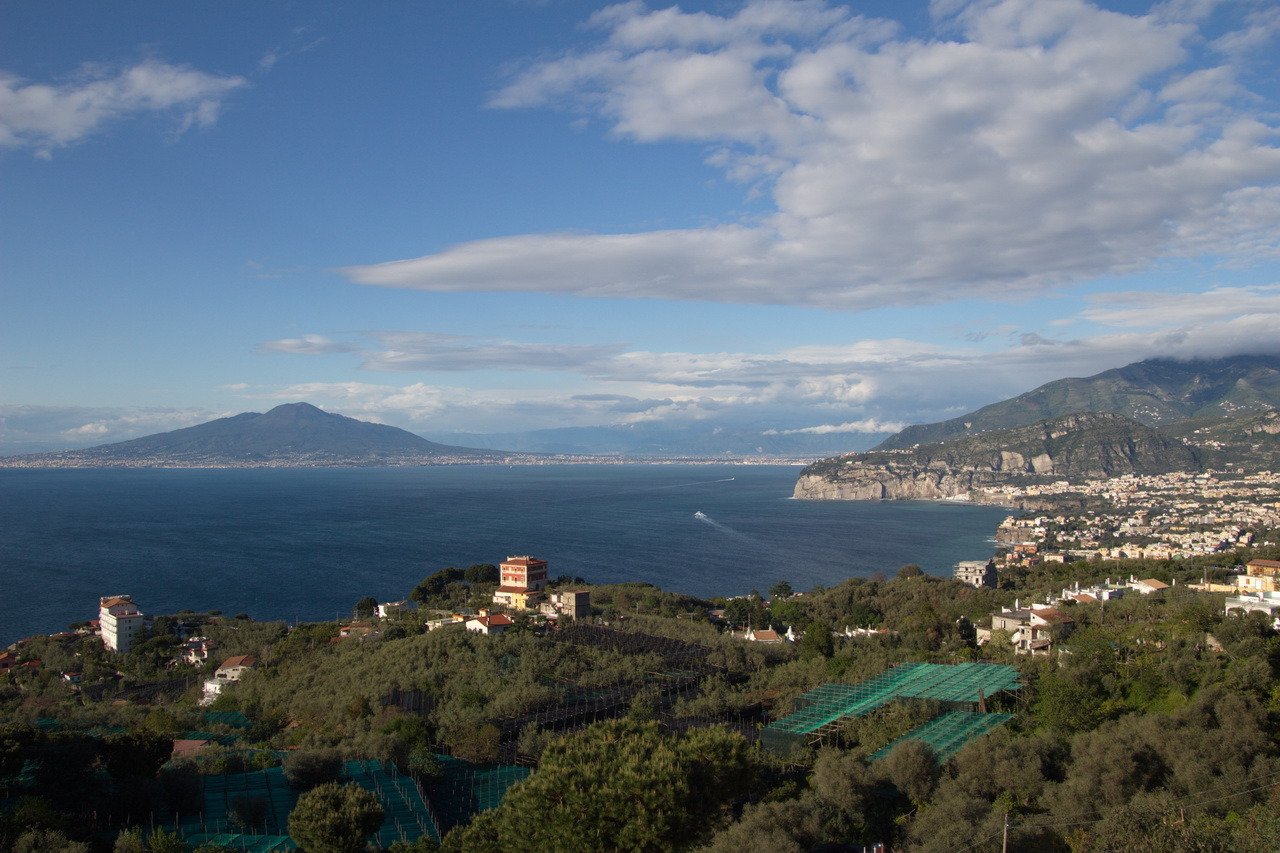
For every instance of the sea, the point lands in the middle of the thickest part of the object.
(306, 544)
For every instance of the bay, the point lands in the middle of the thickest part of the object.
(307, 543)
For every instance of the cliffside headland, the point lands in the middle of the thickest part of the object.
(975, 467)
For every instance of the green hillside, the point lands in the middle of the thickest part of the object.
(1157, 392)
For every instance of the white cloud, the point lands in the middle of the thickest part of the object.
(47, 116)
(368, 400)
(863, 387)
(93, 430)
(425, 351)
(33, 429)
(1141, 309)
(307, 345)
(868, 385)
(994, 160)
(1261, 28)
(869, 425)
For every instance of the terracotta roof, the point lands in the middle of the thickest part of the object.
(1050, 614)
(1153, 583)
(766, 635)
(184, 747)
(239, 660)
(1265, 564)
(513, 589)
(497, 620)
(113, 600)
(1085, 598)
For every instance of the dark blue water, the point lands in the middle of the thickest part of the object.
(307, 543)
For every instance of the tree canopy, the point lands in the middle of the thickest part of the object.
(333, 818)
(619, 785)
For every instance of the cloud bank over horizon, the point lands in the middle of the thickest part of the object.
(867, 385)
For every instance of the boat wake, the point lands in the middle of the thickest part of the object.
(723, 528)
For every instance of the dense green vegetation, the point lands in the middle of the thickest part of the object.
(1154, 727)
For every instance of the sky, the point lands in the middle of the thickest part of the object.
(785, 216)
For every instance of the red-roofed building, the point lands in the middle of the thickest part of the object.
(489, 624)
(187, 748)
(231, 670)
(1147, 586)
(522, 580)
(764, 635)
(234, 667)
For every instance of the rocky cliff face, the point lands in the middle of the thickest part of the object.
(869, 481)
(1075, 446)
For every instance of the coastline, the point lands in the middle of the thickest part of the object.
(20, 463)
(300, 542)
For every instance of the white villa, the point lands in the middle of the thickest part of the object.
(121, 622)
(232, 670)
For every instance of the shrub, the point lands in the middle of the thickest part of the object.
(307, 768)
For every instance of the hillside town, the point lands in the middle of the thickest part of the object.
(1158, 517)
(1162, 517)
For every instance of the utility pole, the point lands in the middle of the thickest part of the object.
(1004, 844)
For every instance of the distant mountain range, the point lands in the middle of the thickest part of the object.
(1220, 411)
(664, 441)
(299, 434)
(1147, 418)
(294, 434)
(1156, 392)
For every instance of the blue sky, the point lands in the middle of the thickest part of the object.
(498, 216)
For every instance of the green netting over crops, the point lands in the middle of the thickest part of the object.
(222, 793)
(250, 843)
(408, 817)
(225, 740)
(829, 703)
(948, 733)
(467, 789)
(234, 719)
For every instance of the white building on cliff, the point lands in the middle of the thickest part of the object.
(121, 622)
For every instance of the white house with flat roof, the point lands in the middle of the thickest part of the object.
(1256, 602)
(121, 622)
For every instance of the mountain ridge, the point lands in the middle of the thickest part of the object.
(1155, 392)
(1076, 446)
(289, 434)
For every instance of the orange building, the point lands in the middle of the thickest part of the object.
(1263, 576)
(522, 580)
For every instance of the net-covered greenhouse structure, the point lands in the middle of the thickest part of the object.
(407, 815)
(820, 711)
(947, 734)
